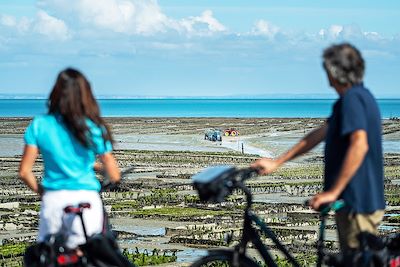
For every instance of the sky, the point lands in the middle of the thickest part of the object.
(179, 48)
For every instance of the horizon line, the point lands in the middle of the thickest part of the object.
(201, 98)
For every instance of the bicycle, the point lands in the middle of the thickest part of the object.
(216, 183)
(99, 250)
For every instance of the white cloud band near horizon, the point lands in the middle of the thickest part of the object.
(140, 35)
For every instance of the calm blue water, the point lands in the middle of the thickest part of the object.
(283, 108)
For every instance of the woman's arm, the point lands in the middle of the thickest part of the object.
(25, 168)
(110, 167)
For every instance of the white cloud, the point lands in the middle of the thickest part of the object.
(43, 24)
(332, 33)
(203, 24)
(121, 16)
(263, 27)
(373, 36)
(8, 20)
(348, 32)
(21, 26)
(130, 17)
(53, 28)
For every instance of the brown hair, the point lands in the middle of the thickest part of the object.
(72, 98)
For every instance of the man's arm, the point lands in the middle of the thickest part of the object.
(267, 165)
(355, 155)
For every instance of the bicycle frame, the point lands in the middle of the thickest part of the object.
(216, 183)
(250, 234)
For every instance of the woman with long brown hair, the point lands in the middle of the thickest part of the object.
(70, 137)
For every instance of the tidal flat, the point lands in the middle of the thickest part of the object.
(156, 207)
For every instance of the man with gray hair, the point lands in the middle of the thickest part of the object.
(353, 149)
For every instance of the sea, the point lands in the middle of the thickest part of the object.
(233, 108)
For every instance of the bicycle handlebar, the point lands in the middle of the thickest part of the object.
(324, 209)
(215, 183)
(107, 184)
(246, 173)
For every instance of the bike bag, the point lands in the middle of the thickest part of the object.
(213, 184)
(393, 242)
(102, 250)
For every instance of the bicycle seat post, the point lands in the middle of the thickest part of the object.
(78, 210)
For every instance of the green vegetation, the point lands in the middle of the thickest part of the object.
(393, 200)
(178, 212)
(317, 171)
(280, 184)
(305, 171)
(392, 172)
(145, 258)
(13, 250)
(157, 197)
(189, 153)
(9, 254)
(30, 206)
(123, 205)
(302, 259)
(12, 262)
(191, 199)
(395, 219)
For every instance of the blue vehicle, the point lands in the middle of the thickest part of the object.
(213, 135)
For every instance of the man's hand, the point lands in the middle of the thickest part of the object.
(323, 198)
(265, 165)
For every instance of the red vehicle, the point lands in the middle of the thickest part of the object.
(231, 132)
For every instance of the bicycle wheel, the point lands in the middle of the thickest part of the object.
(223, 258)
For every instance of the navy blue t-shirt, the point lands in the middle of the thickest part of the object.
(355, 110)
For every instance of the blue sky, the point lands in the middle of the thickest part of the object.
(194, 48)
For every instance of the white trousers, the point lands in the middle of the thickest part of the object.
(53, 219)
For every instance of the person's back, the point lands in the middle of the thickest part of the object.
(69, 137)
(356, 109)
(67, 163)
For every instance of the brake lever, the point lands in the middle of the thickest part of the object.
(107, 184)
(247, 173)
(325, 208)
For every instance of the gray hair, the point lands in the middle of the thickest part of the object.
(344, 63)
